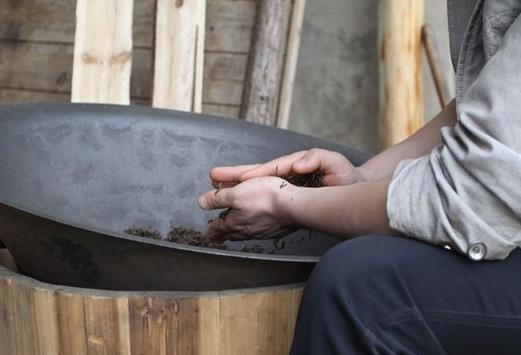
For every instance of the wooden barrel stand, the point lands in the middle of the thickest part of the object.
(39, 318)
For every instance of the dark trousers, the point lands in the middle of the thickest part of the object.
(388, 295)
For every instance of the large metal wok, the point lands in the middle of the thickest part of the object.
(74, 177)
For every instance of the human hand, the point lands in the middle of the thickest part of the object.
(334, 168)
(255, 210)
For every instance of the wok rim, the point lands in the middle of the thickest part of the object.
(162, 243)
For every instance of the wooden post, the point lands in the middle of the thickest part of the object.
(440, 81)
(265, 66)
(102, 51)
(399, 45)
(179, 54)
(290, 65)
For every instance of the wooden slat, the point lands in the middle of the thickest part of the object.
(265, 66)
(229, 23)
(15, 96)
(48, 68)
(103, 51)
(247, 313)
(71, 316)
(399, 44)
(290, 63)
(102, 326)
(7, 318)
(23, 96)
(179, 55)
(231, 111)
(45, 319)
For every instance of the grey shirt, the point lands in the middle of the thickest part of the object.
(466, 192)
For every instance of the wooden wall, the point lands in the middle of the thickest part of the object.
(36, 50)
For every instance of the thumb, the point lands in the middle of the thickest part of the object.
(215, 199)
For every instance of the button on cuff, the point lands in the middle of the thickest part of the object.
(477, 251)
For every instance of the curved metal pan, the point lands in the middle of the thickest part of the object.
(73, 177)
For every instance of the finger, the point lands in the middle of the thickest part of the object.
(224, 185)
(277, 167)
(313, 160)
(216, 199)
(230, 174)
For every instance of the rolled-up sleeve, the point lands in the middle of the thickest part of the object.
(468, 190)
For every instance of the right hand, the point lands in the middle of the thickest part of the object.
(334, 168)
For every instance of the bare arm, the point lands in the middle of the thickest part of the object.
(417, 145)
(343, 211)
(354, 203)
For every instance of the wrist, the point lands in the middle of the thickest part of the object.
(286, 205)
(365, 173)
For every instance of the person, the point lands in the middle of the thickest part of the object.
(436, 267)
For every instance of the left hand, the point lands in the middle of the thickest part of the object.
(255, 210)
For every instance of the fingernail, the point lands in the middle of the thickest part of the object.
(203, 203)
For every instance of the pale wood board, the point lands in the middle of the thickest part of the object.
(102, 51)
(399, 44)
(179, 55)
(265, 64)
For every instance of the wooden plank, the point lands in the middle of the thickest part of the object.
(230, 111)
(229, 23)
(103, 51)
(48, 67)
(290, 64)
(45, 319)
(9, 96)
(248, 313)
(16, 96)
(399, 44)
(7, 319)
(102, 326)
(71, 316)
(265, 66)
(23, 312)
(179, 55)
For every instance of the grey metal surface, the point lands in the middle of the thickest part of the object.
(73, 177)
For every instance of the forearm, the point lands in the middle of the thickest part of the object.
(345, 211)
(417, 145)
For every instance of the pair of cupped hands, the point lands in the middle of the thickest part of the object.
(253, 194)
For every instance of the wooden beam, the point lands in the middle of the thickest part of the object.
(399, 44)
(102, 51)
(290, 65)
(265, 66)
(179, 54)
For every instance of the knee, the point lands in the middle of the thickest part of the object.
(357, 267)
